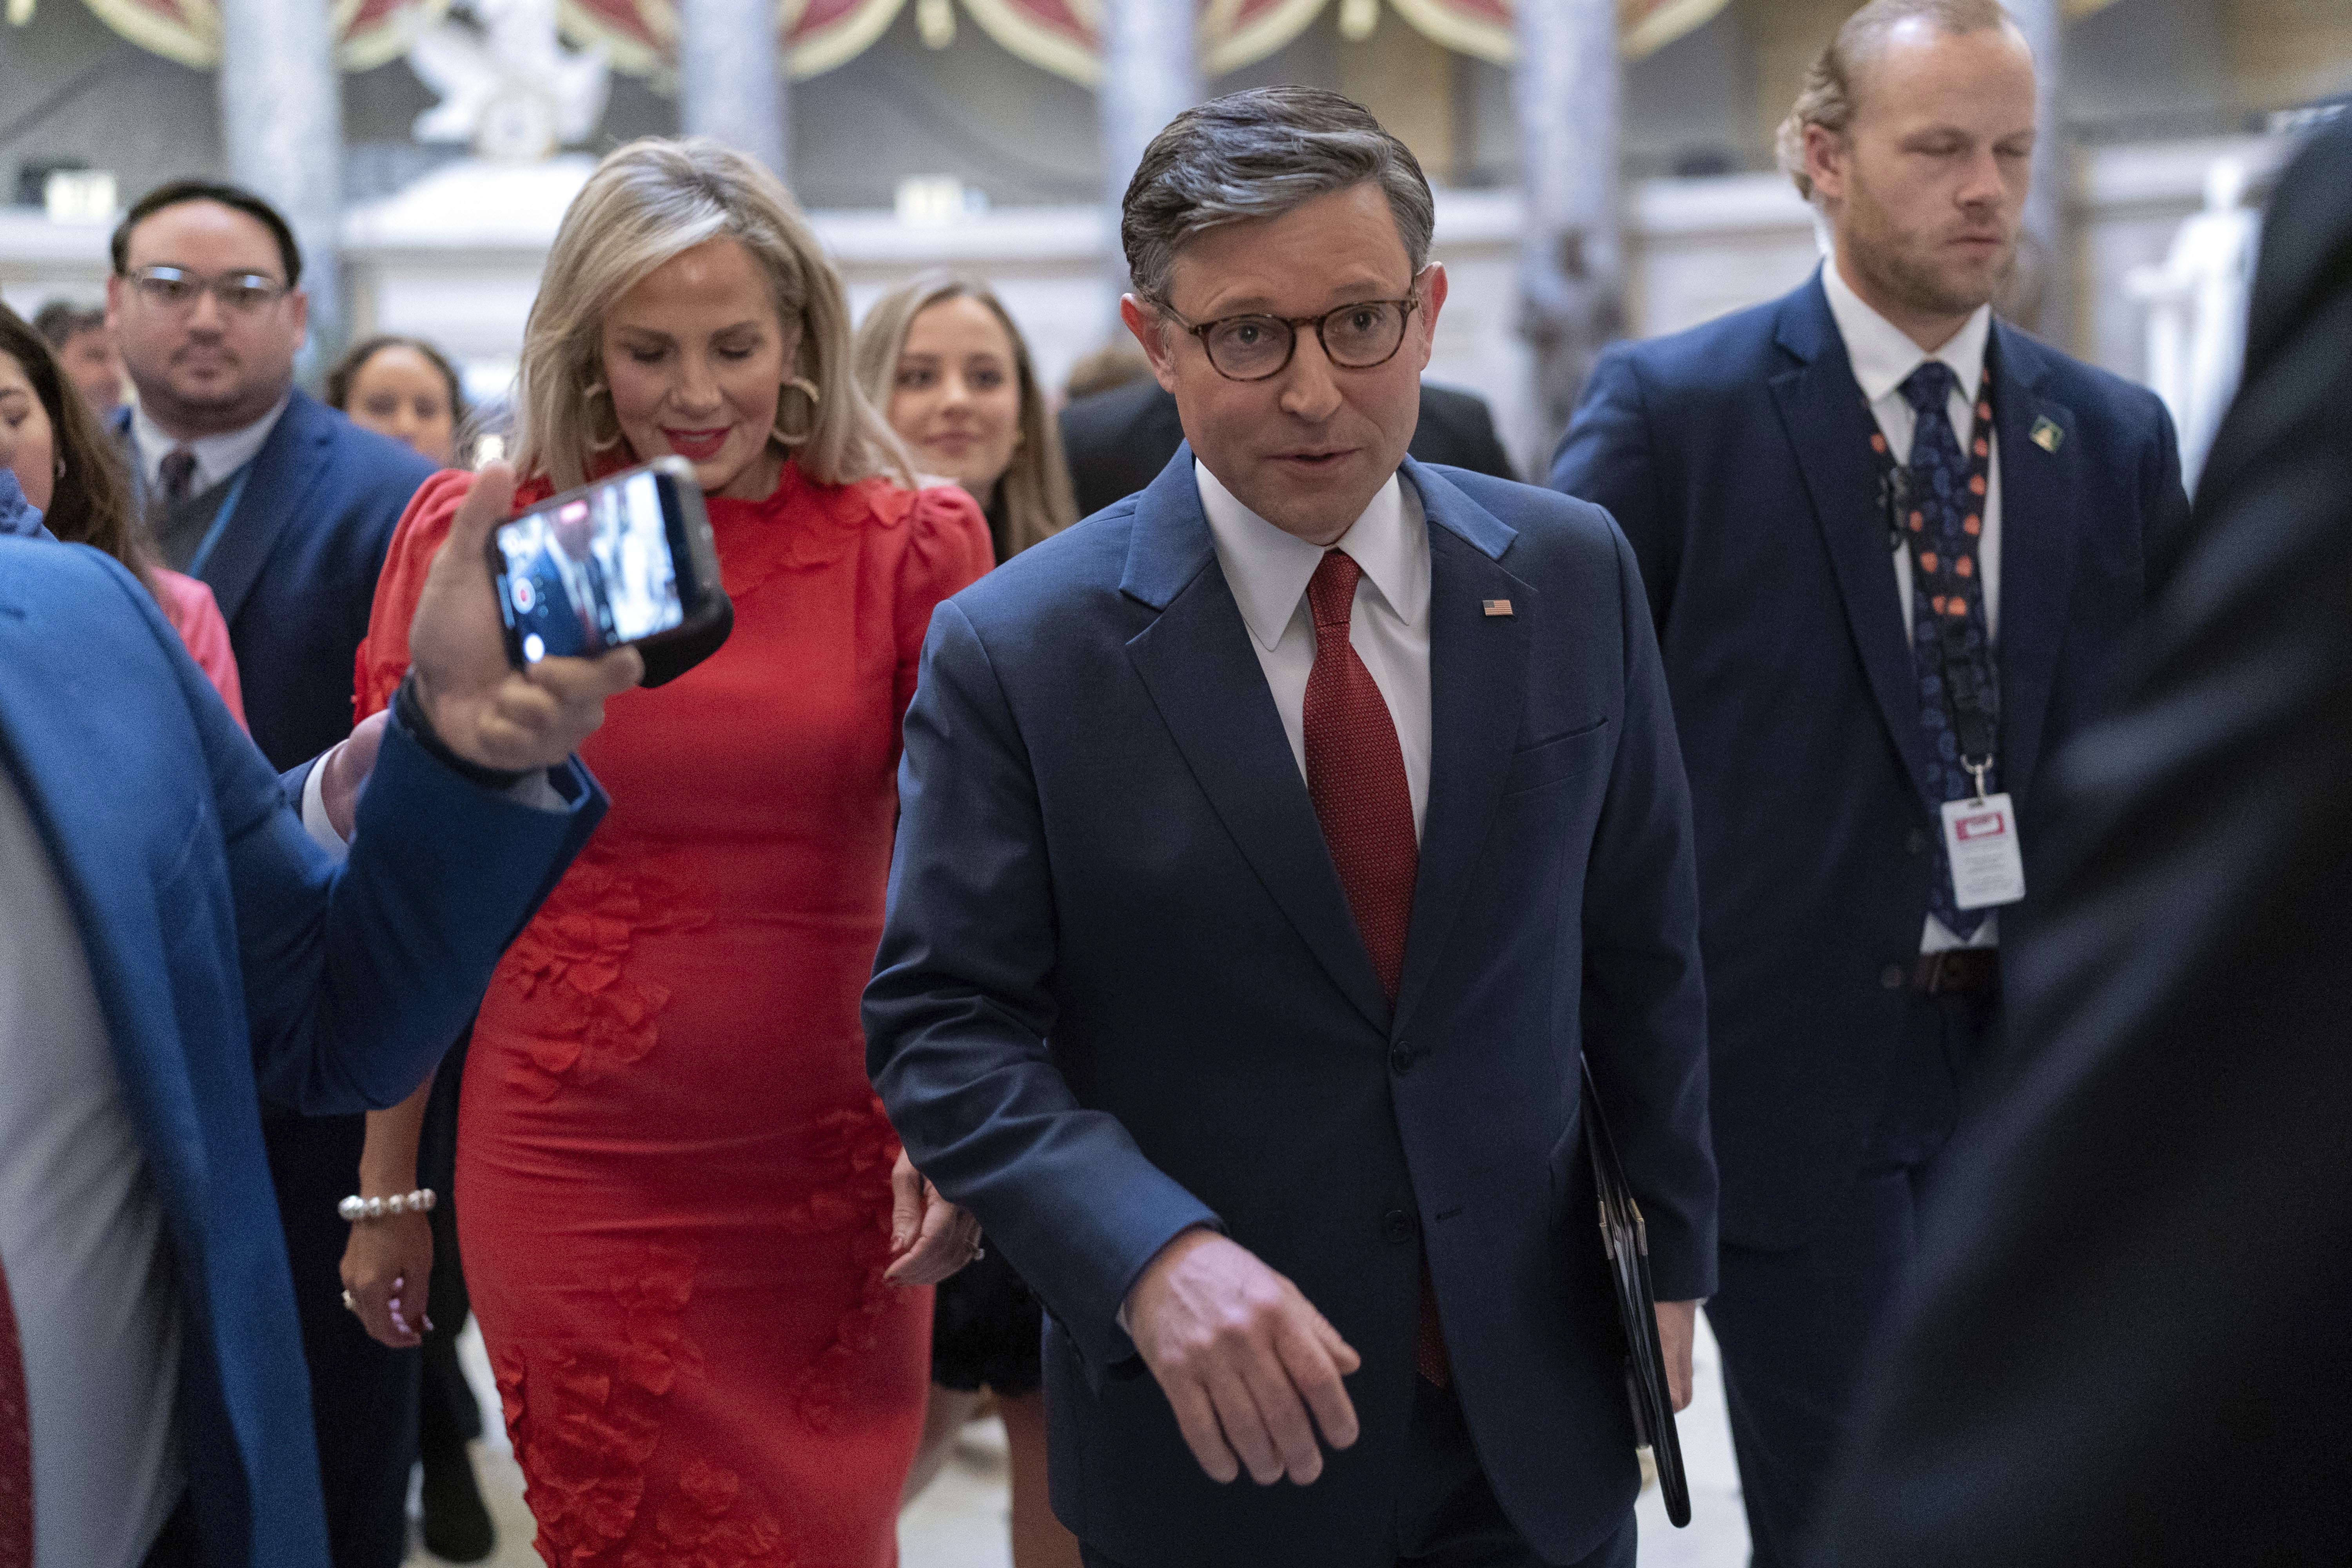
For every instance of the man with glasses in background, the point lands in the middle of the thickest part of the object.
(1270, 844)
(285, 509)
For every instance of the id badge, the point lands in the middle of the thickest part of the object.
(1980, 842)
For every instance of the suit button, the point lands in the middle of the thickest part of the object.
(1401, 1059)
(1893, 978)
(1916, 841)
(1397, 1225)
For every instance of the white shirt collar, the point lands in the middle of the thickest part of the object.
(1883, 356)
(218, 457)
(1268, 570)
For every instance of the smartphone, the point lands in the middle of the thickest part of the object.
(626, 560)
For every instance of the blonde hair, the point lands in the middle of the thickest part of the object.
(1827, 97)
(1038, 501)
(650, 201)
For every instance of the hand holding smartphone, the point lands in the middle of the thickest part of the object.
(626, 560)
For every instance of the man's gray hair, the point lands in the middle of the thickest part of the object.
(1259, 154)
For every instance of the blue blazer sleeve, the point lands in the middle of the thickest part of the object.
(1645, 998)
(961, 1007)
(1608, 459)
(357, 977)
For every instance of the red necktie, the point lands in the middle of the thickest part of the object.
(15, 1443)
(1355, 775)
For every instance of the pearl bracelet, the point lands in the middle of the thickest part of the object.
(356, 1208)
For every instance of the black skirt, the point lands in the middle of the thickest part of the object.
(986, 1330)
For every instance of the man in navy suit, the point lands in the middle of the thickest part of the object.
(174, 941)
(1271, 842)
(1891, 546)
(285, 509)
(570, 612)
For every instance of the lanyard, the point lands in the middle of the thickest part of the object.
(220, 521)
(1965, 675)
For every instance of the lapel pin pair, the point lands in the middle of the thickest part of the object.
(2046, 433)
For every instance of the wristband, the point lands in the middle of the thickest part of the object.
(408, 712)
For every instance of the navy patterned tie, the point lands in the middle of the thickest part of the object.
(1947, 513)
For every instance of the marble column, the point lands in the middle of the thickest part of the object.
(731, 80)
(1151, 73)
(2050, 207)
(281, 102)
(1572, 263)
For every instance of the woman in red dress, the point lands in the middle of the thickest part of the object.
(677, 1184)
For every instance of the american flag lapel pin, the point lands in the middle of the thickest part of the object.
(1495, 606)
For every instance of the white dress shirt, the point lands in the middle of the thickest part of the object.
(1884, 357)
(218, 457)
(98, 1311)
(1268, 571)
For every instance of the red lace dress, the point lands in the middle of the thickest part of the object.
(674, 1177)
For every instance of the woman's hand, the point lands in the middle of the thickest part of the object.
(931, 1239)
(387, 1267)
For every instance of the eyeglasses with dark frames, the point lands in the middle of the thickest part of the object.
(1357, 336)
(177, 289)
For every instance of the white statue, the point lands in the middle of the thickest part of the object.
(2196, 298)
(511, 89)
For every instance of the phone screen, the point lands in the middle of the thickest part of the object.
(591, 571)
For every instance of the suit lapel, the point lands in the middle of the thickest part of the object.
(1477, 693)
(1829, 427)
(2041, 493)
(1197, 663)
(278, 488)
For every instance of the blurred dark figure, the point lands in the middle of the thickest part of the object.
(86, 351)
(407, 389)
(1117, 441)
(2133, 1340)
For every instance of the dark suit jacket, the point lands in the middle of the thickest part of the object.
(1117, 442)
(295, 570)
(1736, 456)
(226, 951)
(1120, 993)
(2134, 1332)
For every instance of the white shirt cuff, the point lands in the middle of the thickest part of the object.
(314, 808)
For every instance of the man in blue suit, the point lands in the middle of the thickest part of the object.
(1270, 845)
(285, 509)
(175, 941)
(1888, 541)
(570, 611)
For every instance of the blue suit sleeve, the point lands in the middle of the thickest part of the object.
(357, 977)
(961, 1007)
(1608, 459)
(1644, 1000)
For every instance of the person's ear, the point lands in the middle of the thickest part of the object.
(1827, 154)
(1432, 300)
(297, 308)
(1151, 331)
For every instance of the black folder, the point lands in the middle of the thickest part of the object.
(1627, 1245)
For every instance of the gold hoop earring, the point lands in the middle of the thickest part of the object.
(808, 389)
(591, 393)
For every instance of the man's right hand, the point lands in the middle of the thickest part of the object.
(1243, 1357)
(483, 709)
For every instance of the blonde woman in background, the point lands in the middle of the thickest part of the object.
(677, 1184)
(942, 358)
